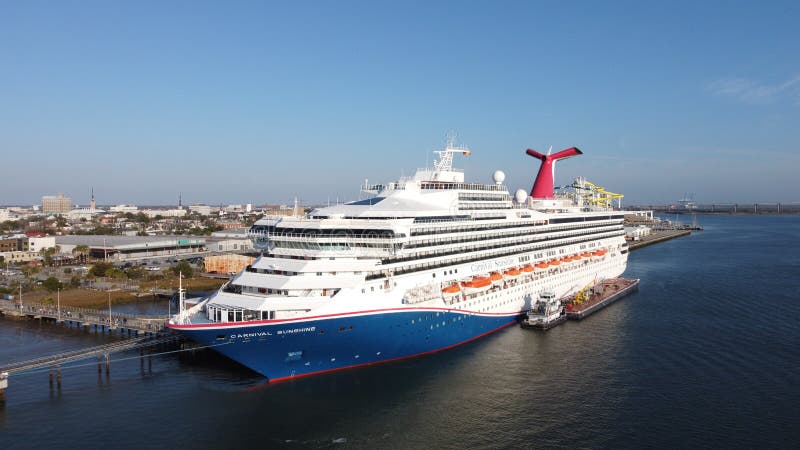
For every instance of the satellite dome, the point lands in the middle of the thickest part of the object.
(521, 195)
(498, 176)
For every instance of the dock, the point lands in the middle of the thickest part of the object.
(657, 236)
(601, 295)
(86, 318)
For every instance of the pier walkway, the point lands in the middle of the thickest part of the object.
(101, 320)
(104, 350)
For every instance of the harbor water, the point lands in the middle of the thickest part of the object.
(706, 354)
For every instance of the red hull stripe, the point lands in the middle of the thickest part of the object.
(326, 316)
(294, 377)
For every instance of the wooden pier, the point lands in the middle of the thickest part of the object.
(89, 319)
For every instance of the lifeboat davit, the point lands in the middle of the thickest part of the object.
(511, 273)
(477, 284)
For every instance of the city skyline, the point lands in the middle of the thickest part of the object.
(260, 103)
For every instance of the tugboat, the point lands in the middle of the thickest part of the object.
(546, 313)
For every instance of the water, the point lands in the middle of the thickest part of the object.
(706, 354)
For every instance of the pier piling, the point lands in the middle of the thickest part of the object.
(3, 386)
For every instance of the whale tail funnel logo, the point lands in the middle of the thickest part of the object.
(543, 186)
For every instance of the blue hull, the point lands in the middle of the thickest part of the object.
(288, 349)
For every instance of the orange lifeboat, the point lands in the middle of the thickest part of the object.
(496, 278)
(541, 266)
(452, 289)
(477, 284)
(586, 255)
(554, 263)
(527, 268)
(511, 273)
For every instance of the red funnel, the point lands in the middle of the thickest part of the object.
(543, 186)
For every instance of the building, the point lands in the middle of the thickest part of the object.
(121, 248)
(152, 213)
(227, 263)
(84, 213)
(203, 210)
(4, 215)
(124, 209)
(18, 257)
(637, 232)
(230, 240)
(13, 243)
(37, 244)
(56, 204)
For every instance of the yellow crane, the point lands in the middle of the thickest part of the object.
(580, 297)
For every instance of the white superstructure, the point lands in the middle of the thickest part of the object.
(424, 241)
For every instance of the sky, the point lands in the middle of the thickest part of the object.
(260, 102)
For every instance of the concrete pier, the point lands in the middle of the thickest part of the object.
(656, 237)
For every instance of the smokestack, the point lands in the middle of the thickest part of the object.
(543, 186)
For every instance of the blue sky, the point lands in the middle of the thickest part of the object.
(235, 102)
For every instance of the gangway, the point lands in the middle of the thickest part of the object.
(100, 350)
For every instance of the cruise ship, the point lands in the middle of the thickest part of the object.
(423, 264)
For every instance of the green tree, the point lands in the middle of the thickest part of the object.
(182, 267)
(115, 272)
(29, 270)
(75, 281)
(52, 284)
(136, 272)
(99, 269)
